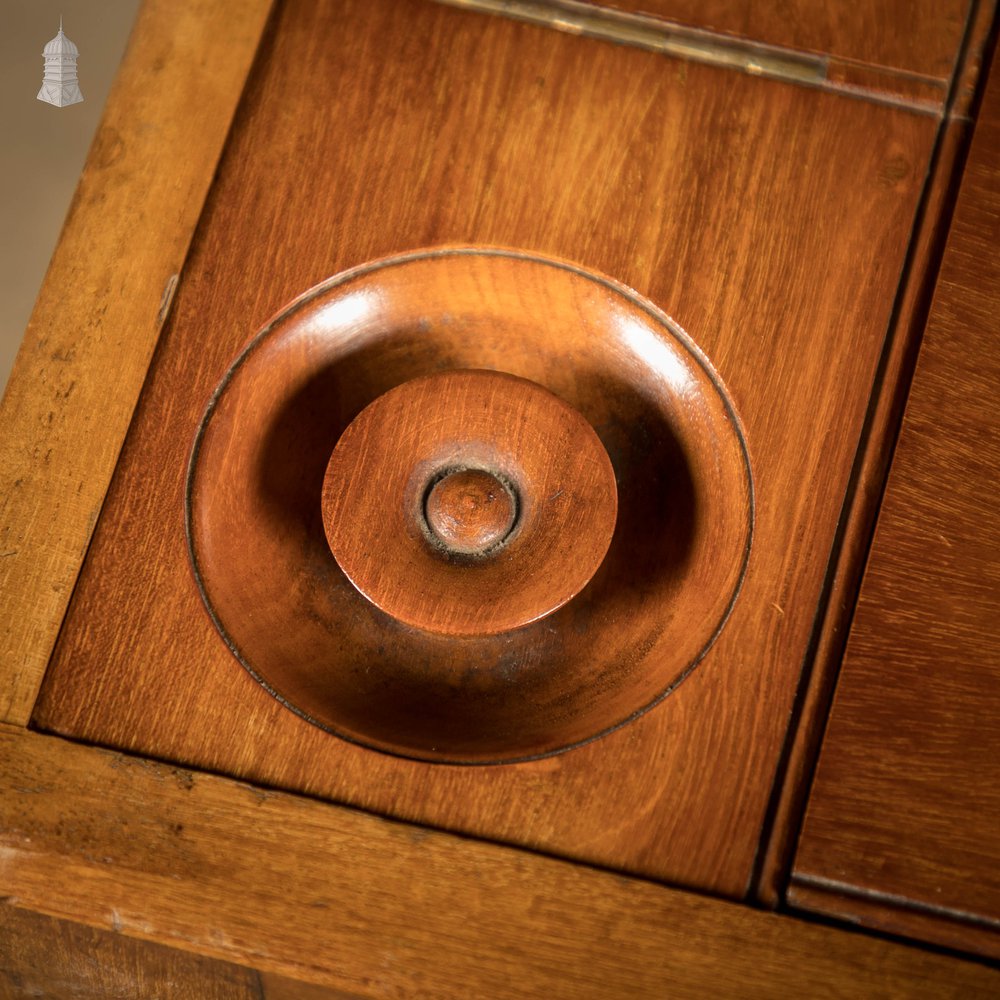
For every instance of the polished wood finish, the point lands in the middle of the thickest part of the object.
(470, 512)
(903, 813)
(469, 503)
(861, 507)
(502, 667)
(980, 42)
(743, 51)
(686, 183)
(738, 953)
(920, 37)
(84, 357)
(57, 960)
(275, 987)
(893, 915)
(381, 909)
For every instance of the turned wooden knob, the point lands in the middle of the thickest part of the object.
(469, 502)
(470, 511)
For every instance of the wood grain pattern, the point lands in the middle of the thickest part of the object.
(59, 960)
(410, 458)
(691, 41)
(275, 987)
(905, 804)
(679, 544)
(380, 909)
(920, 37)
(858, 520)
(468, 512)
(894, 915)
(980, 41)
(771, 221)
(92, 333)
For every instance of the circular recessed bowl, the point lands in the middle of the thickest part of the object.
(269, 513)
(469, 502)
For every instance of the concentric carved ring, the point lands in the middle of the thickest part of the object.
(541, 664)
(469, 502)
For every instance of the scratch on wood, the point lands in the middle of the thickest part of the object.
(167, 299)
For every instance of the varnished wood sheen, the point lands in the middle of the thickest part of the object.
(405, 494)
(380, 909)
(275, 987)
(979, 44)
(91, 335)
(482, 660)
(143, 850)
(904, 811)
(769, 220)
(741, 52)
(857, 522)
(469, 511)
(891, 914)
(921, 37)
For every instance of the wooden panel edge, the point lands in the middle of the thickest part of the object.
(937, 886)
(775, 879)
(375, 907)
(678, 40)
(872, 468)
(860, 513)
(894, 915)
(94, 327)
(273, 987)
(973, 63)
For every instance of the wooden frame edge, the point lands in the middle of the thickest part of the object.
(897, 916)
(859, 518)
(793, 783)
(375, 907)
(91, 336)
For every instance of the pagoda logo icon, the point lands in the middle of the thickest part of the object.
(60, 85)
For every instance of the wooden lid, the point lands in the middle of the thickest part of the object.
(469, 502)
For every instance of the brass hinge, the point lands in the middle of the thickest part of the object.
(655, 35)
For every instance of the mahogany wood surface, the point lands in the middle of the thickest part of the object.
(980, 42)
(871, 468)
(688, 41)
(858, 519)
(275, 987)
(412, 476)
(770, 220)
(903, 813)
(470, 511)
(921, 37)
(894, 915)
(41, 957)
(374, 908)
(92, 333)
(488, 659)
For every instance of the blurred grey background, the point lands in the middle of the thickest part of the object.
(43, 148)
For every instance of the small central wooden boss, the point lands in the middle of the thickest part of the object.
(470, 512)
(469, 502)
